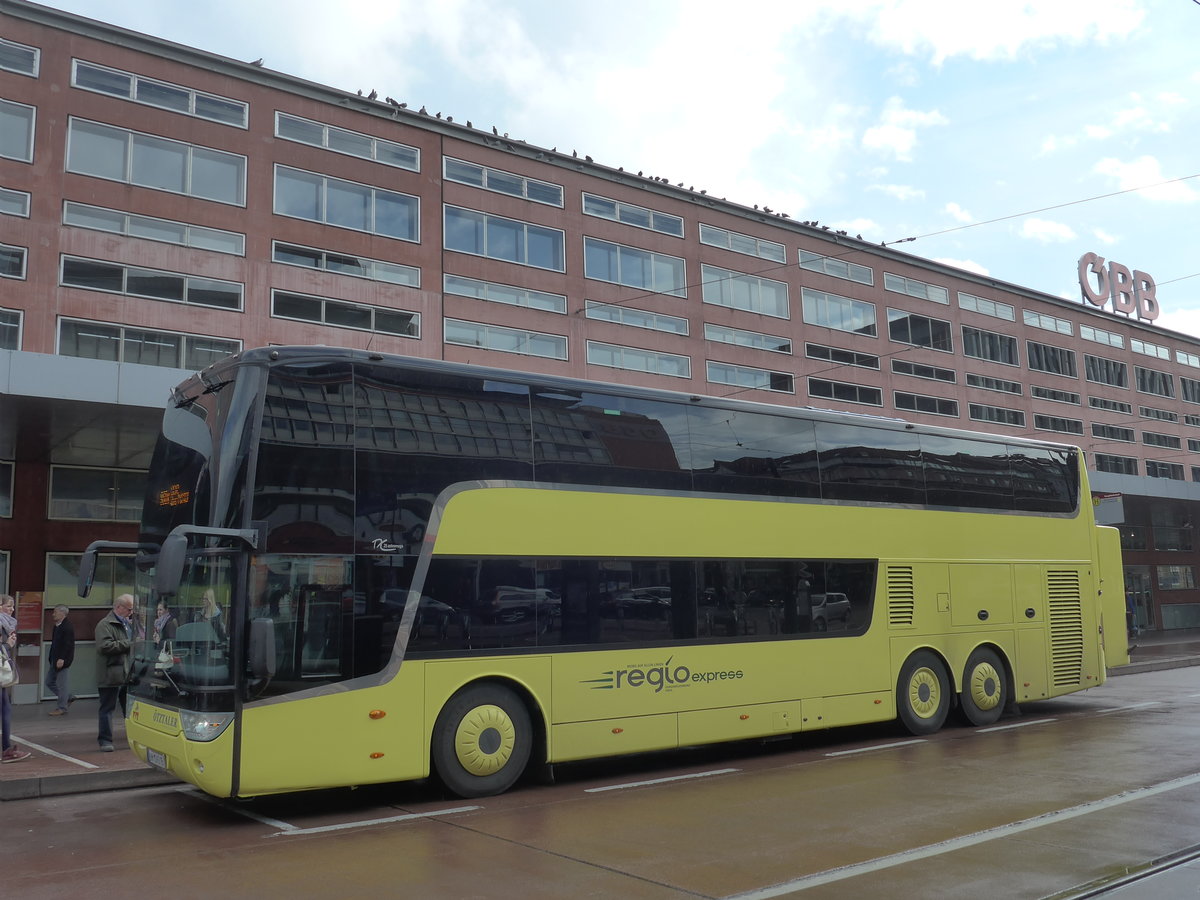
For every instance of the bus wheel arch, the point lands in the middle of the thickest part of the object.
(483, 738)
(924, 692)
(986, 686)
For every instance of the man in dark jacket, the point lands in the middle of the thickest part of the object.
(58, 665)
(114, 639)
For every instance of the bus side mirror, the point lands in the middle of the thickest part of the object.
(262, 648)
(87, 572)
(168, 571)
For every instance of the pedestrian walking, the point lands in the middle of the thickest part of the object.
(9, 752)
(59, 659)
(114, 640)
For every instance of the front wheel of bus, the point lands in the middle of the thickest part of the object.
(482, 741)
(923, 693)
(984, 688)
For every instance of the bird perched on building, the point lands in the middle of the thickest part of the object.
(438, 113)
(423, 111)
(469, 125)
(374, 93)
(257, 62)
(495, 131)
(588, 158)
(575, 154)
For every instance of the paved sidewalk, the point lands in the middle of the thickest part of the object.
(67, 760)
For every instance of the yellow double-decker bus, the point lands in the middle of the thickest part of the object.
(359, 568)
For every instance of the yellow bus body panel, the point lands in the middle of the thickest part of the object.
(206, 764)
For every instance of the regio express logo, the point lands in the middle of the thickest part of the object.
(658, 677)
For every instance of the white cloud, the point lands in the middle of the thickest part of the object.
(896, 133)
(958, 213)
(1145, 175)
(1046, 232)
(1183, 319)
(1104, 237)
(902, 192)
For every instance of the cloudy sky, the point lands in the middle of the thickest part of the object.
(1008, 138)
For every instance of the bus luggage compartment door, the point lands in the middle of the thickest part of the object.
(981, 594)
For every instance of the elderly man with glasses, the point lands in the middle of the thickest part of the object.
(114, 640)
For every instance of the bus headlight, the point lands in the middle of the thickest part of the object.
(203, 726)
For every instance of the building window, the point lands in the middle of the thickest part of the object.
(112, 495)
(724, 287)
(6, 488)
(10, 329)
(18, 58)
(16, 131)
(1058, 423)
(505, 340)
(12, 261)
(636, 318)
(1150, 381)
(1111, 405)
(1148, 349)
(916, 370)
(115, 575)
(1054, 360)
(920, 331)
(340, 314)
(1112, 433)
(1045, 393)
(838, 313)
(741, 243)
(510, 240)
(636, 359)
(1099, 336)
(750, 377)
(846, 393)
(629, 214)
(351, 143)
(113, 221)
(837, 268)
(1193, 445)
(117, 343)
(504, 293)
(998, 414)
(163, 94)
(987, 383)
(980, 344)
(1105, 371)
(118, 154)
(1118, 465)
(152, 284)
(1154, 439)
(502, 182)
(346, 204)
(1175, 578)
(1163, 415)
(914, 288)
(934, 406)
(1189, 389)
(344, 264)
(14, 203)
(616, 263)
(986, 307)
(841, 357)
(1047, 323)
(1188, 359)
(725, 335)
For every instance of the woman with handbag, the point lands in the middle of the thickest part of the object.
(8, 642)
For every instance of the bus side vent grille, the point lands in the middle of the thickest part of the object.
(901, 595)
(1066, 628)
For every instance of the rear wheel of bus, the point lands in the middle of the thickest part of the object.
(482, 740)
(985, 687)
(923, 693)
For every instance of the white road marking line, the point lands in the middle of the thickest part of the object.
(292, 829)
(878, 747)
(969, 840)
(54, 753)
(1014, 725)
(1113, 709)
(633, 784)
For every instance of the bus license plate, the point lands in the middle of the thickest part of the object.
(156, 759)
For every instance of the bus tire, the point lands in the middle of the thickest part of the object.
(923, 693)
(984, 692)
(482, 741)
